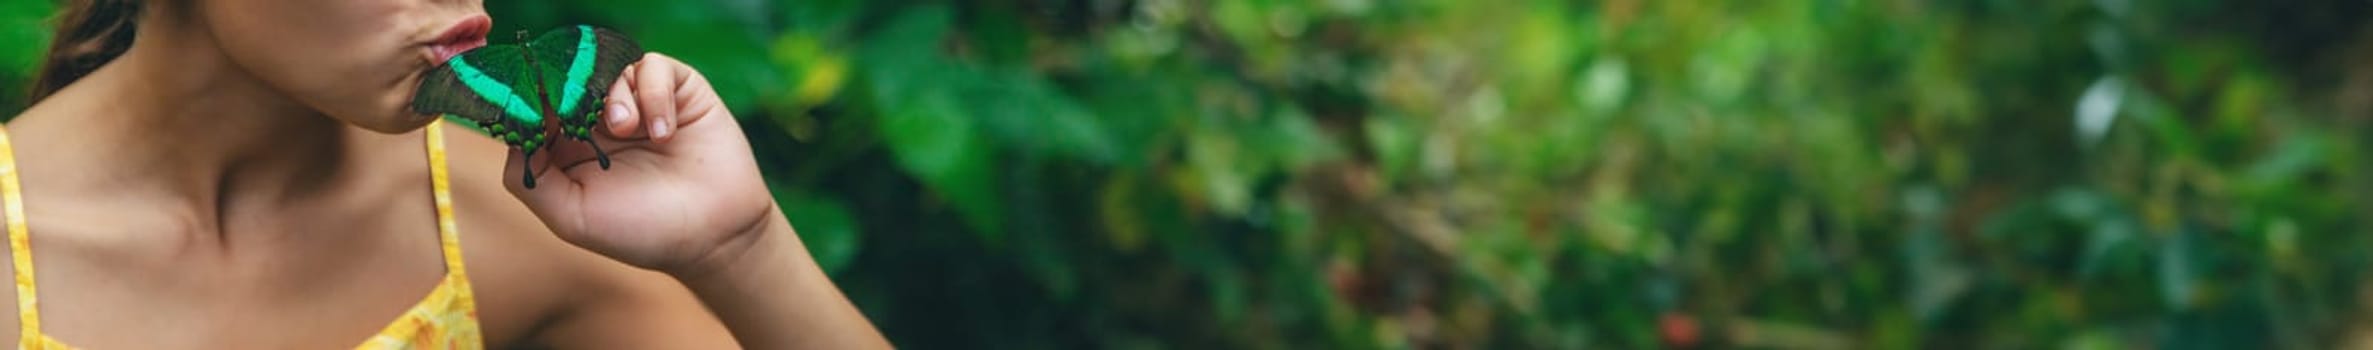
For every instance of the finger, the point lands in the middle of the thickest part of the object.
(694, 96)
(554, 191)
(656, 94)
(620, 113)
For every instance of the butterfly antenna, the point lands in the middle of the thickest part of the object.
(598, 154)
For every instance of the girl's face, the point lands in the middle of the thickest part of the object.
(355, 60)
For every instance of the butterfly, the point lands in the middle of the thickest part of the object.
(516, 93)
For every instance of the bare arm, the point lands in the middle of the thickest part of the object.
(773, 296)
(765, 291)
(684, 197)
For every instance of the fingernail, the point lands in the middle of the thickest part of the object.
(617, 113)
(660, 130)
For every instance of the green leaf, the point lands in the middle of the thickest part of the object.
(1023, 111)
(928, 129)
(824, 225)
(933, 139)
(820, 17)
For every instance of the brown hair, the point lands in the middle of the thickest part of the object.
(89, 33)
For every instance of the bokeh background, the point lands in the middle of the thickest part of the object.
(1546, 173)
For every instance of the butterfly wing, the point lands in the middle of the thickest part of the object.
(489, 88)
(510, 91)
(579, 63)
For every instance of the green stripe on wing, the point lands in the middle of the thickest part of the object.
(580, 72)
(494, 91)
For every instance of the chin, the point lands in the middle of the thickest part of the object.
(394, 123)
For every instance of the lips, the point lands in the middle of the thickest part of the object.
(468, 34)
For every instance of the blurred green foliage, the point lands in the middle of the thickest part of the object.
(1548, 174)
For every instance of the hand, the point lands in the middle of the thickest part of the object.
(682, 184)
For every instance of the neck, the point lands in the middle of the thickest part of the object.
(174, 117)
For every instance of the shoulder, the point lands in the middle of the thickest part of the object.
(527, 279)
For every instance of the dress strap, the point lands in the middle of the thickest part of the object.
(448, 232)
(20, 246)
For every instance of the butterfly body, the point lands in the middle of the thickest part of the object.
(522, 94)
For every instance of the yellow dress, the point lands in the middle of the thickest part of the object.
(446, 319)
